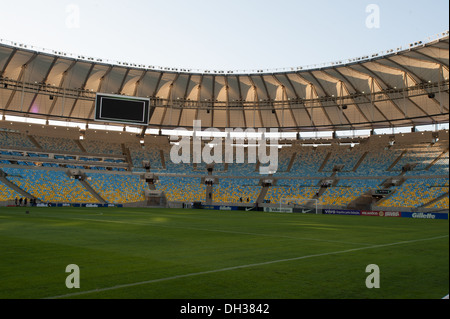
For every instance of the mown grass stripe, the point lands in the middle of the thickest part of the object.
(241, 267)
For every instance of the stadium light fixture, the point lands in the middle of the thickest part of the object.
(105, 127)
(81, 126)
(18, 119)
(21, 119)
(256, 145)
(176, 132)
(316, 135)
(131, 129)
(152, 131)
(251, 135)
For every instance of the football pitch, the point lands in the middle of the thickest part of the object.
(201, 254)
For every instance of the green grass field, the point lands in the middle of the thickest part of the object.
(200, 254)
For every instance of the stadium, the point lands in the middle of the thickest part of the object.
(357, 141)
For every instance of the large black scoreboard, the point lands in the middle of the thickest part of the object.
(122, 109)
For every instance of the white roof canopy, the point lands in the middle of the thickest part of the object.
(402, 88)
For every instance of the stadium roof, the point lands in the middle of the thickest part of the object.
(401, 87)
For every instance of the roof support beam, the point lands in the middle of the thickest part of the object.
(155, 91)
(213, 99)
(286, 101)
(256, 103)
(43, 82)
(60, 86)
(138, 82)
(321, 105)
(184, 98)
(122, 84)
(83, 87)
(340, 107)
(372, 93)
(99, 89)
(227, 102)
(199, 95)
(347, 82)
(169, 101)
(440, 63)
(241, 100)
(19, 79)
(297, 96)
(372, 102)
(407, 71)
(270, 101)
(379, 79)
(8, 61)
(340, 93)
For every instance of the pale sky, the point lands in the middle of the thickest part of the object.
(221, 35)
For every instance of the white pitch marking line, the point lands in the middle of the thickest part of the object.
(221, 231)
(239, 267)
